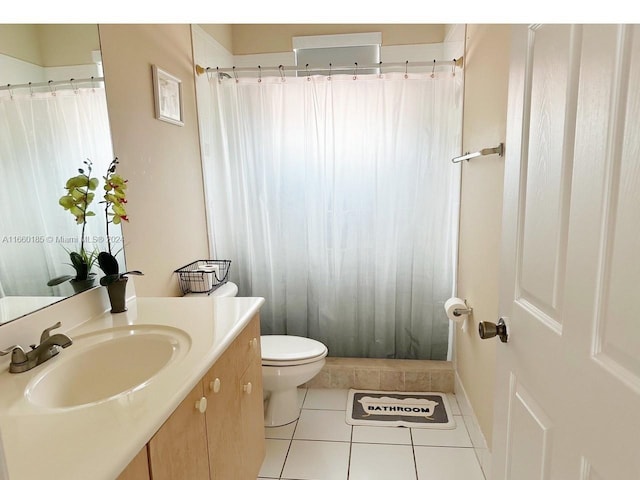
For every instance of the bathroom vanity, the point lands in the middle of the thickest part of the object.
(170, 389)
(217, 431)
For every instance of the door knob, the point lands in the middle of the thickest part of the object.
(490, 330)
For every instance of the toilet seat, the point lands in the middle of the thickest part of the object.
(288, 350)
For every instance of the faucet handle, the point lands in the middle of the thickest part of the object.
(17, 354)
(45, 333)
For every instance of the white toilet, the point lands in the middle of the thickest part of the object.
(287, 362)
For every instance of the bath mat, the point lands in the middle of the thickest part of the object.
(399, 409)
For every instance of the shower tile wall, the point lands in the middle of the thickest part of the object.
(385, 374)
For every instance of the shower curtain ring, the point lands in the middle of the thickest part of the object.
(453, 68)
(259, 74)
(10, 91)
(74, 87)
(433, 70)
(406, 66)
(235, 74)
(281, 69)
(30, 89)
(93, 85)
(380, 67)
(52, 88)
(329, 77)
(355, 72)
(308, 74)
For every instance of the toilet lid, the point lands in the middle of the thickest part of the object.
(290, 348)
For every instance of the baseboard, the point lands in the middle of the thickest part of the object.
(482, 450)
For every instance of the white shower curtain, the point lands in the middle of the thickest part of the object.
(336, 200)
(44, 139)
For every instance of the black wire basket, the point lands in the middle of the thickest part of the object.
(203, 276)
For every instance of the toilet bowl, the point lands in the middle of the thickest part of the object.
(287, 362)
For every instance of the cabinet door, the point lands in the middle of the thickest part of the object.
(138, 469)
(252, 413)
(179, 449)
(222, 389)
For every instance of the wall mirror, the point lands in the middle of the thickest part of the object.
(53, 119)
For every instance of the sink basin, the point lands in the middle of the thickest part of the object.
(105, 366)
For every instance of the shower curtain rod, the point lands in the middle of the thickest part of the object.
(72, 82)
(295, 68)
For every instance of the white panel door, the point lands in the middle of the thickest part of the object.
(568, 380)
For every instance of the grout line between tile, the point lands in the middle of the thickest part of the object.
(323, 441)
(350, 449)
(413, 451)
(291, 439)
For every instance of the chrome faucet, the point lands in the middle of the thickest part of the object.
(22, 361)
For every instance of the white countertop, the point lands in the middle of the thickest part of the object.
(98, 441)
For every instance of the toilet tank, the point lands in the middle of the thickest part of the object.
(228, 289)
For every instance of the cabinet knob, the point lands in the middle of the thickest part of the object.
(253, 343)
(215, 385)
(248, 388)
(201, 405)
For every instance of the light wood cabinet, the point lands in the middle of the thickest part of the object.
(138, 469)
(225, 440)
(252, 414)
(234, 390)
(179, 448)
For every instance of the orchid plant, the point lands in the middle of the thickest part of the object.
(79, 196)
(115, 199)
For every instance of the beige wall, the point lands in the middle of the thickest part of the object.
(50, 45)
(273, 38)
(21, 41)
(162, 161)
(63, 44)
(222, 33)
(485, 108)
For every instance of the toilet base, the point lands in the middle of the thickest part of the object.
(281, 408)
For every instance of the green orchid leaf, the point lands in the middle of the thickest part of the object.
(93, 183)
(59, 280)
(80, 265)
(108, 263)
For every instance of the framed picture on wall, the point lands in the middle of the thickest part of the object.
(167, 91)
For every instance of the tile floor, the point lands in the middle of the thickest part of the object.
(320, 445)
